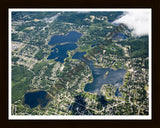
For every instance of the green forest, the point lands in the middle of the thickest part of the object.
(21, 78)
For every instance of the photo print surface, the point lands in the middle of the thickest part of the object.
(79, 64)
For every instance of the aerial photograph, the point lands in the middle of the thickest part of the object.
(80, 63)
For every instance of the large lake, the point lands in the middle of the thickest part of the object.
(114, 77)
(66, 42)
(33, 99)
(60, 51)
(71, 37)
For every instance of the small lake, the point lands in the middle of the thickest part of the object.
(33, 99)
(114, 77)
(65, 43)
(94, 45)
(119, 36)
(71, 37)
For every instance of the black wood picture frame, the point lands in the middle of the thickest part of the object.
(6, 4)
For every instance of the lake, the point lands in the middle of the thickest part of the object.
(33, 99)
(114, 77)
(71, 37)
(60, 51)
(119, 36)
(94, 45)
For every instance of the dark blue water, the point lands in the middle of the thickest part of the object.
(113, 48)
(94, 45)
(118, 93)
(113, 62)
(114, 77)
(119, 36)
(33, 99)
(72, 37)
(60, 51)
(102, 100)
